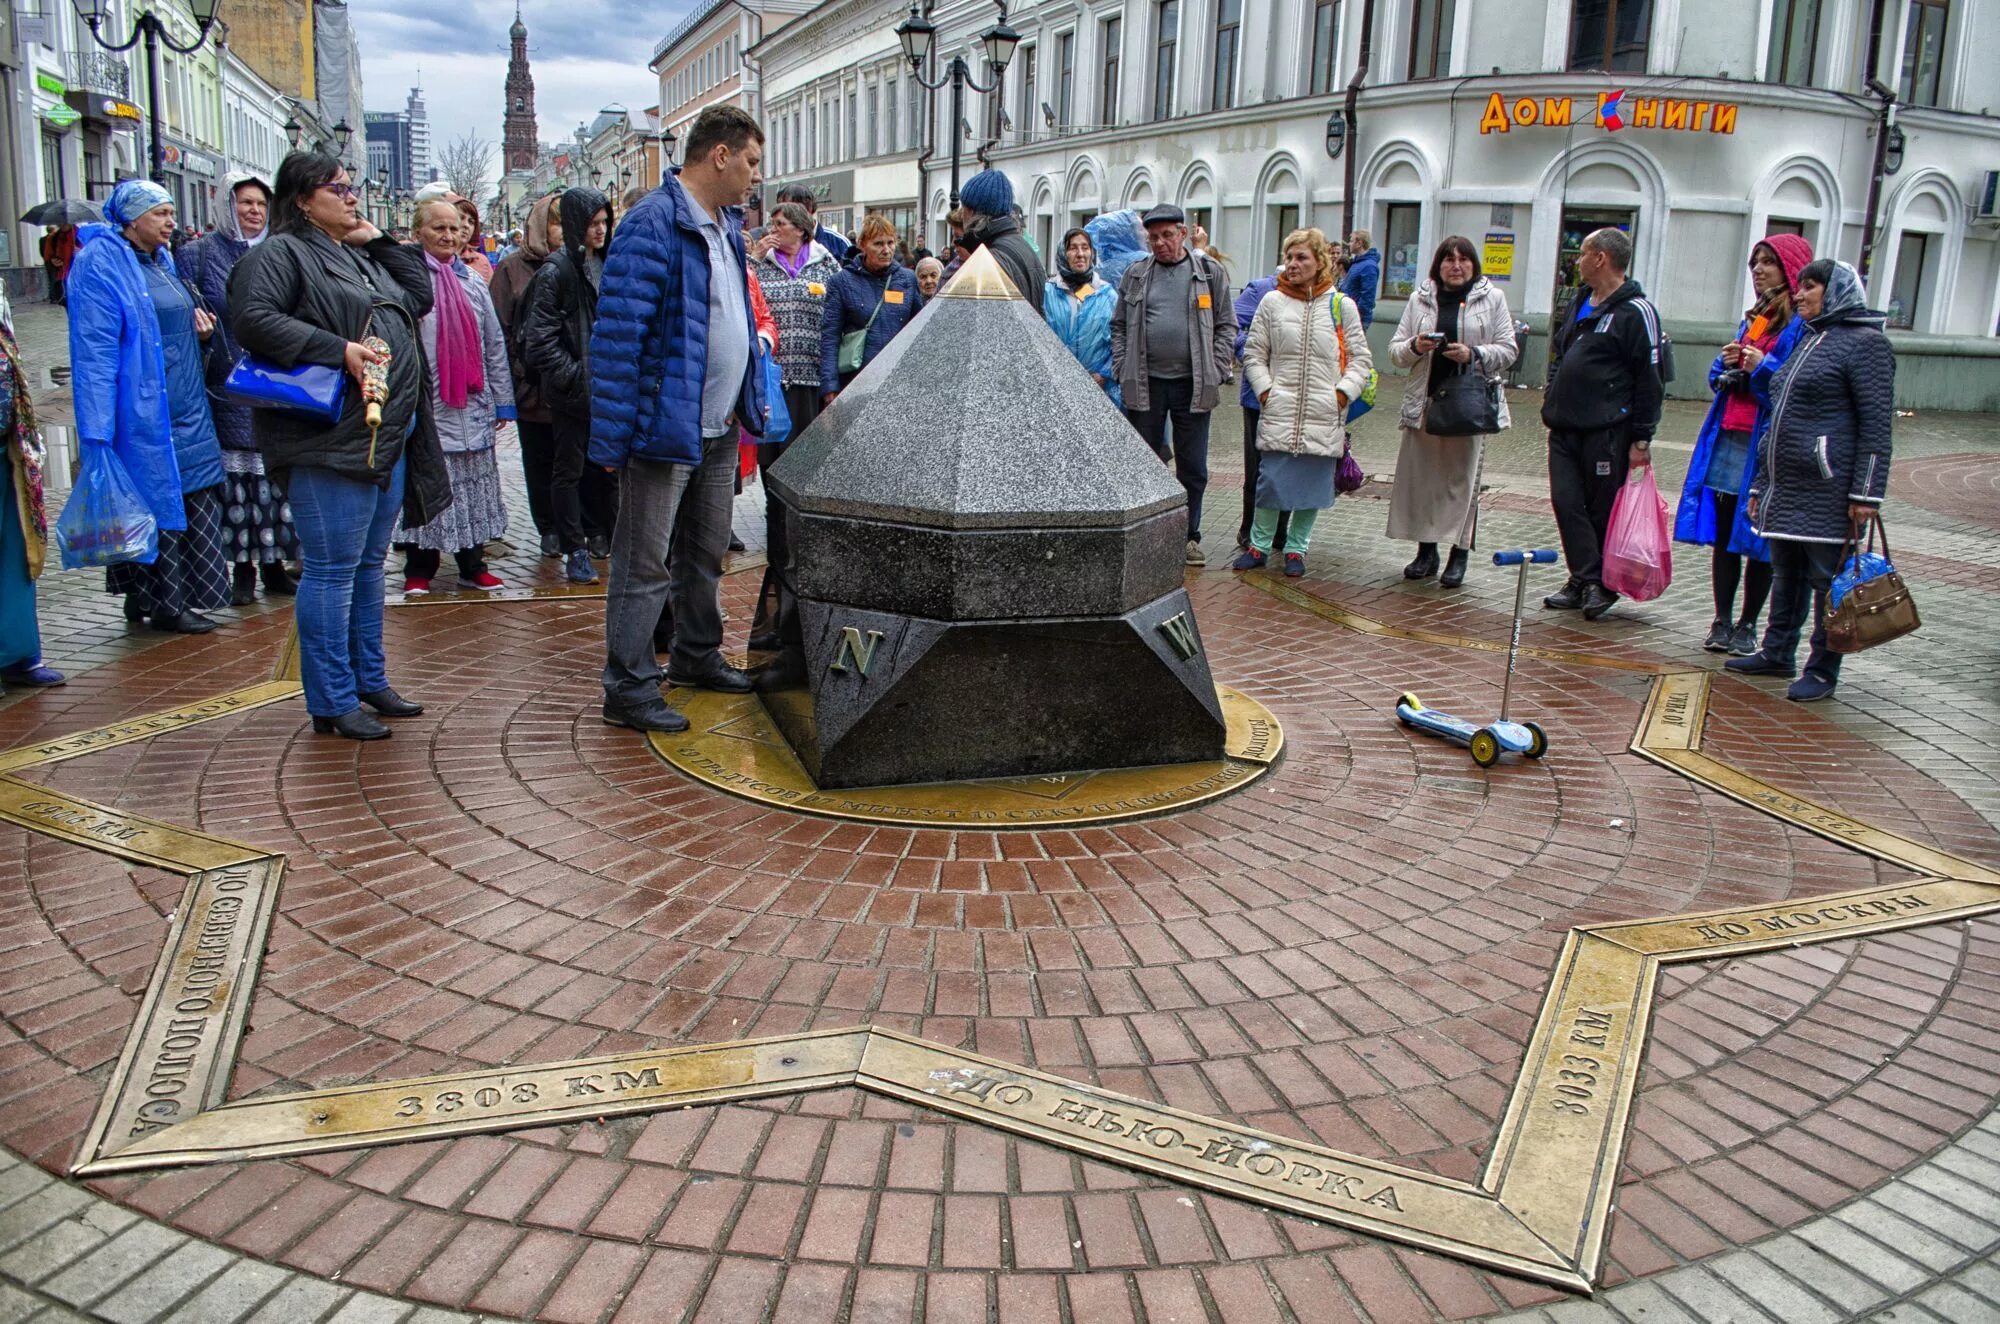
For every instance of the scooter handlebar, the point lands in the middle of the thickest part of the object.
(1539, 556)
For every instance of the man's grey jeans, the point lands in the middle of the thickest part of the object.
(666, 509)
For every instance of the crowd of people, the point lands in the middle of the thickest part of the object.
(641, 356)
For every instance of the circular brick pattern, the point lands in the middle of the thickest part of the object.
(1352, 951)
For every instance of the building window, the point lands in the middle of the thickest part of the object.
(1610, 34)
(890, 141)
(1166, 49)
(1399, 241)
(1325, 55)
(1065, 78)
(1284, 220)
(1228, 32)
(1794, 41)
(853, 128)
(914, 120)
(874, 122)
(1114, 47)
(1911, 256)
(1430, 37)
(1923, 50)
(1024, 116)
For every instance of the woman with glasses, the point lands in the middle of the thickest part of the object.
(322, 284)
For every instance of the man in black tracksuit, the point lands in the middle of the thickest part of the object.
(1601, 406)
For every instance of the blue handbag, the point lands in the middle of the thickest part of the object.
(777, 418)
(304, 388)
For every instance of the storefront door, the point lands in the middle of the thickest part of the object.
(1578, 222)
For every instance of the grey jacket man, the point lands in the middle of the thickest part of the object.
(1211, 326)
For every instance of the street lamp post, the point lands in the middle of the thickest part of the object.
(918, 36)
(96, 12)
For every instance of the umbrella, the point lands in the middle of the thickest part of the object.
(63, 211)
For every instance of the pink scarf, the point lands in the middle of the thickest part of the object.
(461, 368)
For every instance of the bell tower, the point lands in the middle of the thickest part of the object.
(518, 136)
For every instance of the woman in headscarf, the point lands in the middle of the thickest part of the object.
(135, 349)
(532, 424)
(1307, 359)
(24, 520)
(1078, 308)
(1822, 467)
(471, 395)
(322, 285)
(473, 249)
(1711, 509)
(257, 528)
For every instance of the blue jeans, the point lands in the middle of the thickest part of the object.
(344, 527)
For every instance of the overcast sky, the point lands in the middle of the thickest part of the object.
(584, 54)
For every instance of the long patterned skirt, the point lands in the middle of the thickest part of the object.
(190, 573)
(478, 510)
(256, 519)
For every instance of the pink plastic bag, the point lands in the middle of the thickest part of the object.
(1638, 555)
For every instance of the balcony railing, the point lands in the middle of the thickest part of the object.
(101, 71)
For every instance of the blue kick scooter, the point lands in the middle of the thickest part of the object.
(1488, 742)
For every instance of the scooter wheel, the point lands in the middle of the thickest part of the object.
(1485, 747)
(1410, 701)
(1538, 741)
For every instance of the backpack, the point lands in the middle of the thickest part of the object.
(1662, 341)
(1355, 408)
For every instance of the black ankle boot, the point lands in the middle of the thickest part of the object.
(243, 584)
(279, 580)
(390, 704)
(1426, 563)
(1454, 569)
(356, 725)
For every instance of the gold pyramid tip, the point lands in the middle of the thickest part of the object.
(980, 278)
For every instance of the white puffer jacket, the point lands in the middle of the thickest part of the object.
(1294, 352)
(1484, 323)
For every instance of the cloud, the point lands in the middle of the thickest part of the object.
(584, 55)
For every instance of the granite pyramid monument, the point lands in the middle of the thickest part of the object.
(988, 564)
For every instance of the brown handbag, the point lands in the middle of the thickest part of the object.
(1873, 611)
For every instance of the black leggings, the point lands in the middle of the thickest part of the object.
(1727, 568)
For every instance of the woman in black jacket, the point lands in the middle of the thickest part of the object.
(324, 282)
(555, 340)
(1822, 467)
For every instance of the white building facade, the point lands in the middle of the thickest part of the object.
(703, 62)
(254, 113)
(1700, 125)
(843, 116)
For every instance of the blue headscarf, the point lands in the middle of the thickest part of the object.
(132, 199)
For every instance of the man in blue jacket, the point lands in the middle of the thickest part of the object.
(673, 376)
(1364, 275)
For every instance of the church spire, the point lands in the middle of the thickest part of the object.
(518, 136)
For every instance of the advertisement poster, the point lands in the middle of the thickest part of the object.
(1496, 257)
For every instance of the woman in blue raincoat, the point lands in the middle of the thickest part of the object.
(135, 350)
(1712, 510)
(1078, 308)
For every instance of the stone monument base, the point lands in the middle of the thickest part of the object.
(900, 699)
(734, 744)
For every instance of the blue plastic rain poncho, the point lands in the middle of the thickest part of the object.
(125, 397)
(1084, 324)
(1120, 240)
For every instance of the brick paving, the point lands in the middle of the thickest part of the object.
(1351, 952)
